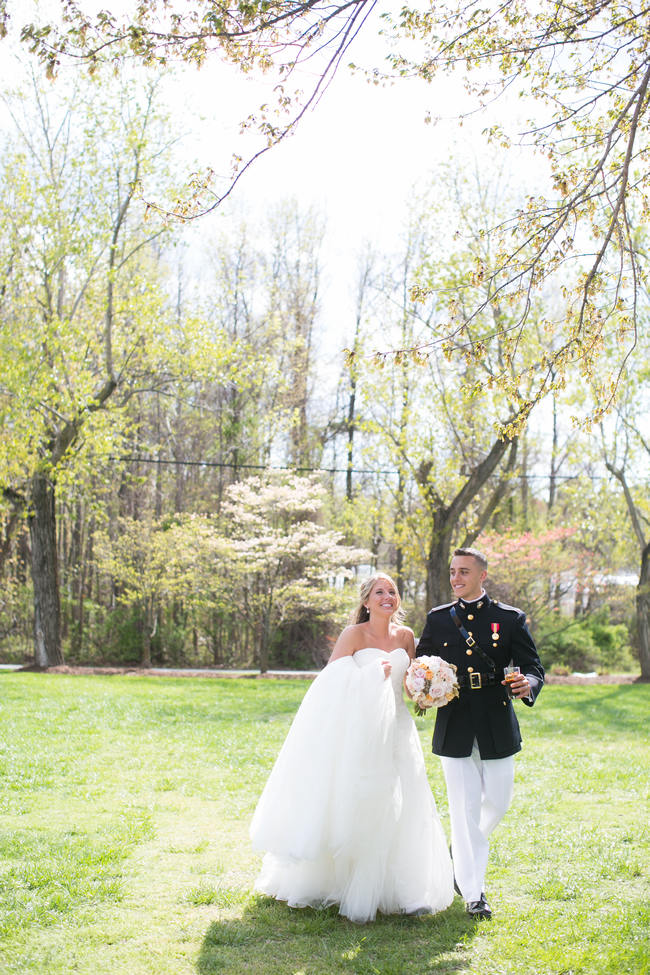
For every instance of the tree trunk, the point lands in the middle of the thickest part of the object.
(45, 577)
(398, 523)
(445, 517)
(552, 488)
(264, 645)
(351, 431)
(351, 422)
(145, 660)
(400, 500)
(147, 633)
(399, 570)
(438, 588)
(643, 613)
(643, 587)
(525, 493)
(77, 572)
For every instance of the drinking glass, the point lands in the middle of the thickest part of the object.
(510, 673)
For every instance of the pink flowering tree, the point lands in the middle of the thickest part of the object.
(543, 571)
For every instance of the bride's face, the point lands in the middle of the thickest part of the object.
(383, 599)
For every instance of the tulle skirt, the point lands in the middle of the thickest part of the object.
(347, 816)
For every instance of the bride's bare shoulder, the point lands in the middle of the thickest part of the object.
(350, 640)
(406, 639)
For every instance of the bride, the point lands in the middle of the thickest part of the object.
(347, 816)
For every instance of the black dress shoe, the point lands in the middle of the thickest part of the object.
(480, 909)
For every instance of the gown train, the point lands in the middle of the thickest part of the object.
(347, 816)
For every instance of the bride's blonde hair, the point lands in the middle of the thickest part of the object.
(361, 614)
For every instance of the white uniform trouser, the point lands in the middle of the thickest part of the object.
(479, 792)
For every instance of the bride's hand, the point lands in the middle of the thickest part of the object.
(387, 665)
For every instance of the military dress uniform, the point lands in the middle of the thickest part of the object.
(477, 734)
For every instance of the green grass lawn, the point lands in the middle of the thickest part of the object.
(124, 811)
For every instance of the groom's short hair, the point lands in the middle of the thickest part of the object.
(475, 554)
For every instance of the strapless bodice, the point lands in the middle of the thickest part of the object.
(399, 659)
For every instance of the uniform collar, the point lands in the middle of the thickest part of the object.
(482, 602)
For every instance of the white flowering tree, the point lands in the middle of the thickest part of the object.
(284, 562)
(268, 561)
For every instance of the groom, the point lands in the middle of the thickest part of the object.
(477, 734)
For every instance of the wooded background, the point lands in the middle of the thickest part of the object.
(194, 474)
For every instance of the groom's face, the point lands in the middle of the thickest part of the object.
(466, 577)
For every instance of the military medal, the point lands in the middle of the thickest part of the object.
(495, 631)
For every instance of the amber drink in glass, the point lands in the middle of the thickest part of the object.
(510, 673)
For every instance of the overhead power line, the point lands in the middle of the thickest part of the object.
(230, 465)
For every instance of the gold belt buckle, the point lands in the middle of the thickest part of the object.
(475, 681)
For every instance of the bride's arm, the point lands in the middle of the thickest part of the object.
(346, 644)
(409, 646)
(408, 641)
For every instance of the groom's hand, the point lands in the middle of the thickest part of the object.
(520, 686)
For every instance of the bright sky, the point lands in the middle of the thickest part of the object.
(356, 157)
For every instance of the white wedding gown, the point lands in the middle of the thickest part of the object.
(347, 816)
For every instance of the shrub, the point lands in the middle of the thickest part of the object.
(588, 644)
(116, 638)
(16, 621)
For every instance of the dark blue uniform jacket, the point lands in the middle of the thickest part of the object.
(484, 713)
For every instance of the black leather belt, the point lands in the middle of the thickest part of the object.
(476, 681)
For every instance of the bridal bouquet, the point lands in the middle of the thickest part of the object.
(431, 682)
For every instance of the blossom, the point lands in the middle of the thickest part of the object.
(431, 682)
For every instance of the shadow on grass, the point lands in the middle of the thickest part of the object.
(270, 938)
